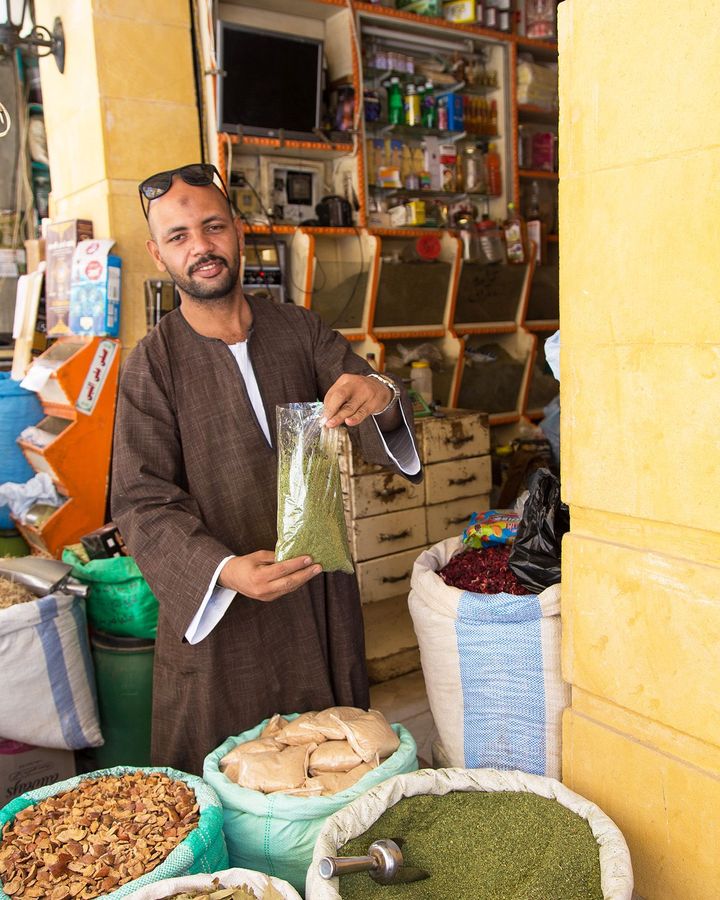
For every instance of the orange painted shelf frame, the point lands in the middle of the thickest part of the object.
(78, 399)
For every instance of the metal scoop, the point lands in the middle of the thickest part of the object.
(384, 864)
(41, 576)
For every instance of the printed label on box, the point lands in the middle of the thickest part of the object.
(95, 378)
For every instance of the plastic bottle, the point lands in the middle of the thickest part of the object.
(493, 171)
(473, 170)
(515, 236)
(428, 107)
(421, 379)
(396, 111)
(491, 242)
(412, 105)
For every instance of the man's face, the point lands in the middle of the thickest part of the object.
(196, 240)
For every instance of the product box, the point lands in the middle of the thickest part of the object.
(459, 10)
(95, 293)
(35, 253)
(61, 239)
(24, 768)
(421, 7)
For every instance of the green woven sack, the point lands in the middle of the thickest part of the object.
(203, 850)
(120, 600)
(276, 833)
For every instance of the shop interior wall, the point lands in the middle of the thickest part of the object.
(639, 194)
(124, 108)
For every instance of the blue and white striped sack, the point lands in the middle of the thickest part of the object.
(492, 670)
(48, 694)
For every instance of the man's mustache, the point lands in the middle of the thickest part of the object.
(204, 261)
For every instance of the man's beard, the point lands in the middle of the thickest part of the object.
(221, 286)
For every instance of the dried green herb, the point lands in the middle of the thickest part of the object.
(484, 846)
(310, 519)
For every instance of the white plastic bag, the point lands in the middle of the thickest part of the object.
(228, 878)
(616, 877)
(48, 682)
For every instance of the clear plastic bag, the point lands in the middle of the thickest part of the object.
(311, 520)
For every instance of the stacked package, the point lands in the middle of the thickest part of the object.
(537, 84)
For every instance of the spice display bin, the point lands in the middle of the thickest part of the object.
(498, 385)
(444, 374)
(333, 269)
(413, 296)
(73, 443)
(491, 297)
(542, 312)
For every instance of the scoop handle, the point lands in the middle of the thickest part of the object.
(332, 866)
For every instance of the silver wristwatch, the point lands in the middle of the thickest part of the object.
(388, 382)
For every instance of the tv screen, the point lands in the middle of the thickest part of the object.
(270, 81)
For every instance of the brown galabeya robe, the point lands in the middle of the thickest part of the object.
(194, 481)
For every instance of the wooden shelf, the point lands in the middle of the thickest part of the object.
(546, 48)
(528, 111)
(552, 238)
(311, 149)
(538, 173)
(408, 18)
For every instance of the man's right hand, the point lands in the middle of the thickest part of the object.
(259, 577)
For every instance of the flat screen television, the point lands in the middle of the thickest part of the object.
(270, 82)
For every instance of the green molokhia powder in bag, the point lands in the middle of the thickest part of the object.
(310, 520)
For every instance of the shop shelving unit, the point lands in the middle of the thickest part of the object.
(72, 444)
(353, 277)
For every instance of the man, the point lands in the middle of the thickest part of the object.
(194, 484)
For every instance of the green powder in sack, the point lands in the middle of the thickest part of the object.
(311, 520)
(483, 846)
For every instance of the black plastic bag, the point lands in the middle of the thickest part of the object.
(535, 556)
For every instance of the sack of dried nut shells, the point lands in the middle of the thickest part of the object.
(108, 833)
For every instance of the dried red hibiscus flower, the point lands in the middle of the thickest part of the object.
(482, 572)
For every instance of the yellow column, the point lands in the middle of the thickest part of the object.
(640, 393)
(124, 108)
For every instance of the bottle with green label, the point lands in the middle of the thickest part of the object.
(396, 107)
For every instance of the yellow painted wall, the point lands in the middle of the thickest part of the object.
(640, 393)
(124, 108)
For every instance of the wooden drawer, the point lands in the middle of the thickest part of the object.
(387, 576)
(457, 478)
(446, 520)
(389, 533)
(372, 495)
(457, 436)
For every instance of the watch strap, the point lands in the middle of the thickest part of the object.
(388, 382)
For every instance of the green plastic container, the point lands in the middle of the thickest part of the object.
(123, 674)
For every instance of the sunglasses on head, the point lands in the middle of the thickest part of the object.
(197, 174)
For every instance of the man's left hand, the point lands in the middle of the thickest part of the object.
(353, 398)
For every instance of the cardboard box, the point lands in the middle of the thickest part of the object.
(24, 768)
(35, 253)
(60, 242)
(95, 291)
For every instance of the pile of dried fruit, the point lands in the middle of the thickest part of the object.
(483, 572)
(12, 593)
(89, 841)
